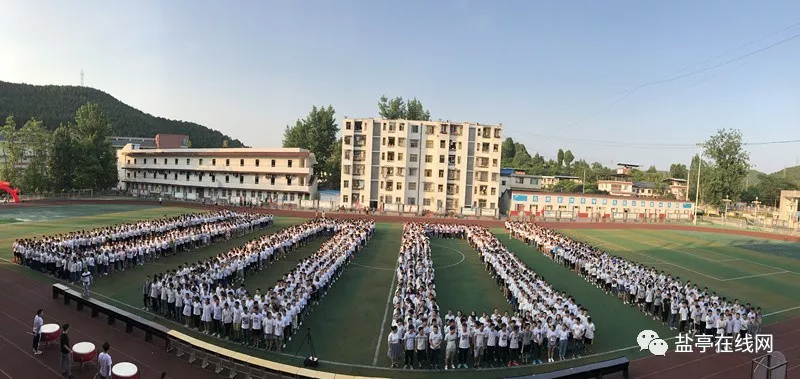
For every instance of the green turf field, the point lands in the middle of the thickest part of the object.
(349, 325)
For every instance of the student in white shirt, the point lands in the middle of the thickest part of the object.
(37, 331)
(451, 345)
(409, 339)
(104, 363)
(588, 336)
(422, 346)
(395, 347)
(435, 339)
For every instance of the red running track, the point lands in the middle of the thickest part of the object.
(21, 296)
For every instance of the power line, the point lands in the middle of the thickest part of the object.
(677, 75)
(647, 145)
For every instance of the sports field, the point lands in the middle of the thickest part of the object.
(349, 325)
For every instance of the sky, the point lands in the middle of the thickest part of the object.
(552, 72)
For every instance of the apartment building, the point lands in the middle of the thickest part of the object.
(438, 166)
(229, 175)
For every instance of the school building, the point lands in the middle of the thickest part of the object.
(789, 209)
(412, 166)
(570, 206)
(226, 175)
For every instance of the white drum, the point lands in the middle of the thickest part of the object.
(50, 332)
(124, 370)
(83, 352)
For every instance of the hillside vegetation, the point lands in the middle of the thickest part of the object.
(54, 105)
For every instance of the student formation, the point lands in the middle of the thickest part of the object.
(544, 325)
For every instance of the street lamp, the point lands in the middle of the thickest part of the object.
(755, 210)
(727, 201)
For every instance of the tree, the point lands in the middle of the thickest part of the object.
(521, 157)
(769, 189)
(560, 157)
(397, 108)
(334, 166)
(568, 158)
(705, 169)
(415, 111)
(566, 186)
(507, 151)
(12, 150)
(96, 161)
(317, 133)
(730, 165)
(61, 159)
(36, 142)
(678, 171)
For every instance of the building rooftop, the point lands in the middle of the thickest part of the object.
(644, 185)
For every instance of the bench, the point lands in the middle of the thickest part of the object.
(113, 313)
(591, 370)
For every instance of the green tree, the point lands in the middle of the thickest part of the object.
(568, 158)
(560, 157)
(678, 171)
(96, 159)
(566, 186)
(415, 111)
(522, 159)
(397, 108)
(61, 159)
(730, 165)
(769, 188)
(317, 133)
(705, 169)
(36, 142)
(12, 149)
(507, 151)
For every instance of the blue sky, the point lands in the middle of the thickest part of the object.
(547, 70)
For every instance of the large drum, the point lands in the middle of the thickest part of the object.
(83, 352)
(51, 332)
(124, 370)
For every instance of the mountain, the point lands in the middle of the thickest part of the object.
(791, 174)
(55, 105)
(753, 178)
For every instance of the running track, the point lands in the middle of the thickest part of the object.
(21, 296)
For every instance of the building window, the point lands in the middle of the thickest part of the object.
(238, 193)
(429, 159)
(227, 179)
(134, 160)
(412, 158)
(412, 201)
(241, 179)
(412, 186)
(241, 162)
(257, 162)
(441, 173)
(288, 179)
(213, 162)
(346, 169)
(128, 174)
(272, 180)
(289, 163)
(440, 188)
(399, 187)
(414, 128)
(441, 144)
(399, 156)
(291, 196)
(187, 177)
(256, 178)
(176, 176)
(493, 190)
(187, 161)
(347, 126)
(200, 161)
(428, 173)
(426, 202)
(272, 163)
(145, 161)
(429, 144)
(346, 184)
(213, 178)
(441, 158)
(227, 162)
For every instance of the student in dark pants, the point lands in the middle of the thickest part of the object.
(66, 353)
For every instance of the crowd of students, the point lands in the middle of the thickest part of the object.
(545, 325)
(681, 305)
(115, 248)
(211, 296)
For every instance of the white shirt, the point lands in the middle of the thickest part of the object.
(104, 364)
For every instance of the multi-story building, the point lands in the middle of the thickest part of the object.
(438, 166)
(230, 175)
(677, 187)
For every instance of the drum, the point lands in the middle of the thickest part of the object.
(51, 332)
(83, 352)
(124, 370)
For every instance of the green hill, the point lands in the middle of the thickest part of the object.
(55, 105)
(791, 174)
(753, 178)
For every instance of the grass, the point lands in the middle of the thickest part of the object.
(347, 325)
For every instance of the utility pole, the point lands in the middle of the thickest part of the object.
(697, 193)
(584, 181)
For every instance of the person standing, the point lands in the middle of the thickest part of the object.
(146, 293)
(37, 331)
(104, 363)
(66, 353)
(86, 279)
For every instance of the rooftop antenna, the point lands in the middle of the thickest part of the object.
(81, 78)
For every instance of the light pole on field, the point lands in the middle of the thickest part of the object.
(727, 201)
(697, 192)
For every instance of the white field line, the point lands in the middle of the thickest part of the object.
(385, 313)
(755, 276)
(723, 255)
(463, 257)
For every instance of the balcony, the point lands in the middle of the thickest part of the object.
(359, 158)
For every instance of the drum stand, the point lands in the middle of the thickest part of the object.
(312, 360)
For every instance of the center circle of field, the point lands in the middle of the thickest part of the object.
(463, 257)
